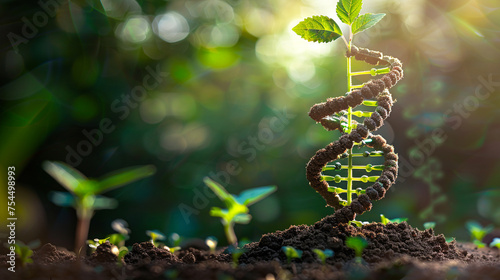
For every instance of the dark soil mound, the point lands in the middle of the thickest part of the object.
(385, 243)
(395, 251)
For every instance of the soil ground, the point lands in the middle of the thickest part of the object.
(395, 251)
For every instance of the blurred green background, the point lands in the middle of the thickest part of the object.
(233, 86)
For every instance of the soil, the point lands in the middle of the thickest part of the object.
(395, 251)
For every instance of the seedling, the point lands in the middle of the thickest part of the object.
(495, 243)
(174, 239)
(479, 244)
(291, 253)
(429, 225)
(236, 253)
(385, 221)
(155, 236)
(237, 206)
(478, 232)
(337, 114)
(323, 255)
(25, 251)
(211, 242)
(122, 235)
(358, 223)
(358, 244)
(84, 193)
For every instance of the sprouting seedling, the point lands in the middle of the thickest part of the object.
(337, 114)
(385, 221)
(155, 235)
(25, 251)
(211, 242)
(429, 225)
(94, 243)
(174, 239)
(358, 223)
(122, 235)
(236, 253)
(323, 254)
(495, 242)
(358, 244)
(477, 231)
(291, 253)
(84, 193)
(237, 206)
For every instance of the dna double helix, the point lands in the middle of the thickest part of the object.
(331, 115)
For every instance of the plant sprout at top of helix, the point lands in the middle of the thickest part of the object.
(338, 114)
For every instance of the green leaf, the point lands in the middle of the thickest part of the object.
(429, 225)
(365, 21)
(252, 196)
(495, 242)
(102, 202)
(242, 218)
(218, 212)
(220, 191)
(384, 220)
(66, 175)
(62, 199)
(124, 176)
(348, 10)
(320, 29)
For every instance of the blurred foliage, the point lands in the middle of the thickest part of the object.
(222, 88)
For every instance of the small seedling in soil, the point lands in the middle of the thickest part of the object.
(385, 221)
(93, 244)
(429, 225)
(237, 206)
(323, 254)
(84, 193)
(25, 251)
(478, 232)
(211, 242)
(495, 243)
(291, 253)
(174, 239)
(155, 236)
(358, 244)
(358, 223)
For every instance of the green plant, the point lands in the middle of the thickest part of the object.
(291, 253)
(385, 221)
(429, 225)
(236, 253)
(25, 251)
(237, 206)
(477, 231)
(495, 242)
(337, 114)
(323, 254)
(156, 235)
(358, 244)
(84, 193)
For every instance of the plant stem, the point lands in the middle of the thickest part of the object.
(231, 236)
(349, 128)
(82, 231)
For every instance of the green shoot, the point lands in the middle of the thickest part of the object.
(84, 193)
(385, 221)
(429, 225)
(155, 236)
(237, 206)
(495, 243)
(236, 253)
(323, 255)
(122, 251)
(358, 223)
(477, 231)
(174, 239)
(358, 244)
(211, 242)
(291, 253)
(479, 244)
(24, 252)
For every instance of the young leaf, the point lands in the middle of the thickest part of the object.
(66, 175)
(242, 218)
(348, 10)
(62, 199)
(252, 196)
(320, 29)
(102, 202)
(124, 176)
(365, 21)
(220, 191)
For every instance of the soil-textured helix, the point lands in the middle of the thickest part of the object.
(375, 89)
